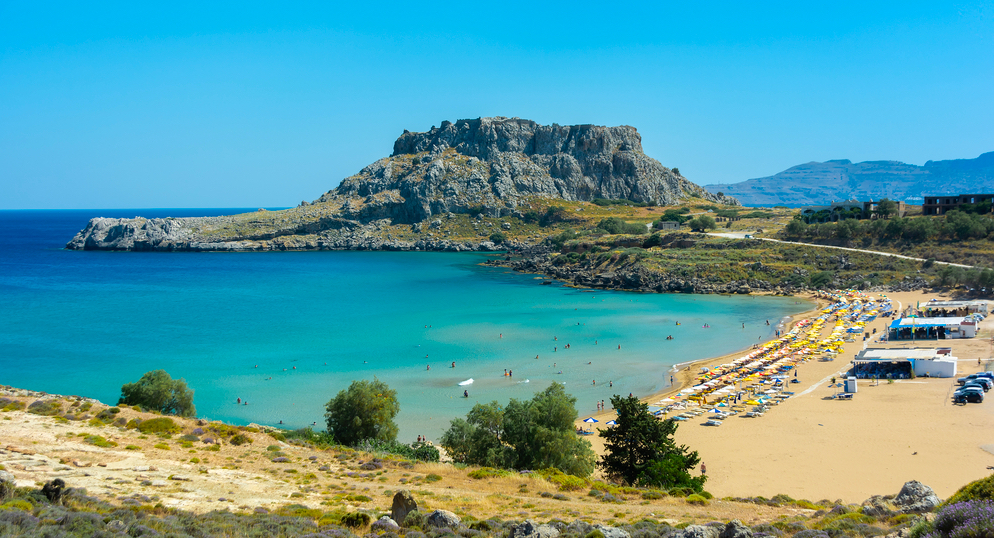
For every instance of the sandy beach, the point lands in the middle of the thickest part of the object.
(815, 447)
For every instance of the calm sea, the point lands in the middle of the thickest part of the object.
(287, 330)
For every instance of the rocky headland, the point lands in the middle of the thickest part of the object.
(493, 167)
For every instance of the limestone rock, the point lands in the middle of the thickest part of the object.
(403, 503)
(916, 497)
(735, 529)
(698, 531)
(530, 529)
(612, 532)
(385, 524)
(6, 476)
(443, 518)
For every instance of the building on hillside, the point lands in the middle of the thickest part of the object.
(938, 205)
(667, 225)
(849, 209)
(901, 363)
(932, 328)
(939, 309)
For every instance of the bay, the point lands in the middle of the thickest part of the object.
(287, 330)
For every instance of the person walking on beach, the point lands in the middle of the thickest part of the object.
(704, 470)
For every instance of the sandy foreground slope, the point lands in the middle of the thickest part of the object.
(815, 447)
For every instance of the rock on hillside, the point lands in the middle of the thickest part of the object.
(495, 162)
(487, 165)
(817, 183)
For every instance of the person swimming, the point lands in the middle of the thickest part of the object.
(465, 394)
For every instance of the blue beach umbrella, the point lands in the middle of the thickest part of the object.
(590, 419)
(611, 422)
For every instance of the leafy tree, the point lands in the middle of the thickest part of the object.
(846, 229)
(157, 391)
(701, 223)
(795, 228)
(498, 238)
(363, 411)
(886, 208)
(676, 215)
(676, 172)
(641, 450)
(525, 434)
(821, 279)
(615, 225)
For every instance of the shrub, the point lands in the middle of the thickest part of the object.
(977, 490)
(161, 446)
(968, 519)
(498, 238)
(240, 439)
(415, 520)
(45, 408)
(132, 447)
(97, 440)
(614, 225)
(432, 477)
(157, 391)
(17, 504)
(6, 404)
(697, 499)
(158, 425)
(356, 520)
(488, 472)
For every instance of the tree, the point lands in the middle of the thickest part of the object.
(701, 223)
(524, 434)
(363, 411)
(497, 238)
(157, 391)
(886, 208)
(795, 228)
(641, 450)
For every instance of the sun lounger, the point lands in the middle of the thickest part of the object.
(713, 423)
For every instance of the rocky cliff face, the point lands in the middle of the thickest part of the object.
(496, 162)
(487, 165)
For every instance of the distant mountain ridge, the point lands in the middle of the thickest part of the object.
(817, 183)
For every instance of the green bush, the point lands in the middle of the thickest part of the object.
(488, 472)
(161, 446)
(17, 504)
(978, 490)
(415, 520)
(97, 440)
(6, 404)
(240, 439)
(614, 225)
(697, 499)
(45, 408)
(159, 392)
(498, 238)
(356, 520)
(158, 425)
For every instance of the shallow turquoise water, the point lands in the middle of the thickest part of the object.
(286, 331)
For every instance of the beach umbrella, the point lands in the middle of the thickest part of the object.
(667, 400)
(590, 419)
(611, 422)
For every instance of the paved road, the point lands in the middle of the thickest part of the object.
(741, 235)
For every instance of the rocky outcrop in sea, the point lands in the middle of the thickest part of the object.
(488, 166)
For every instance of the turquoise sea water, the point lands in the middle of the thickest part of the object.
(286, 331)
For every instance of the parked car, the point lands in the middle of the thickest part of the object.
(973, 397)
(987, 383)
(986, 375)
(967, 379)
(975, 384)
(970, 390)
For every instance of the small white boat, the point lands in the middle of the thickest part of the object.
(467, 382)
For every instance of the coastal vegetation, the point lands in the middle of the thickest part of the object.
(959, 236)
(363, 411)
(529, 434)
(157, 391)
(640, 450)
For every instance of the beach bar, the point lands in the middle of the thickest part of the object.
(954, 308)
(900, 363)
(932, 328)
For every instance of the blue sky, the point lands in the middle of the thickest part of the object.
(247, 104)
